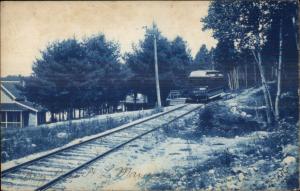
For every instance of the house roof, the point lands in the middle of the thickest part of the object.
(12, 90)
(12, 107)
(31, 106)
(21, 106)
(11, 79)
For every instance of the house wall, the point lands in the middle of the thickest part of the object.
(32, 120)
(41, 117)
(5, 98)
(25, 118)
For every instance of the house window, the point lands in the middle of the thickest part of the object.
(2, 119)
(2, 116)
(13, 117)
(10, 119)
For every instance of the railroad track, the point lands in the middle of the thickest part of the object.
(45, 171)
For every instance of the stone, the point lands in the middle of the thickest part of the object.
(211, 171)
(237, 170)
(290, 150)
(288, 160)
(241, 177)
(62, 135)
(289, 165)
(244, 114)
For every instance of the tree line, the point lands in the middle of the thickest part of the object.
(257, 45)
(76, 75)
(89, 76)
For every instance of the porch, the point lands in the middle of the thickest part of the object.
(13, 115)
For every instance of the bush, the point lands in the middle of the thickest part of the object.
(216, 119)
(205, 119)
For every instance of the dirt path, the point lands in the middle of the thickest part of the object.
(168, 160)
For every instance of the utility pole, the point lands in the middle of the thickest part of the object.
(153, 32)
(156, 71)
(212, 59)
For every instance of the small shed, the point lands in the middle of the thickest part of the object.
(131, 102)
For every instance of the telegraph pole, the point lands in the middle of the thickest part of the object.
(212, 59)
(156, 71)
(153, 32)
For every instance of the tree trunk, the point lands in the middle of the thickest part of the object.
(237, 78)
(294, 21)
(63, 116)
(264, 83)
(272, 72)
(73, 115)
(277, 100)
(52, 117)
(229, 81)
(246, 76)
(265, 87)
(70, 114)
(255, 76)
(232, 75)
(234, 79)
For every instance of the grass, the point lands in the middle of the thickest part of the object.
(20, 142)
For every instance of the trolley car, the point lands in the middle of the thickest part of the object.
(204, 85)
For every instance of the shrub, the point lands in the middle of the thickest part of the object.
(205, 120)
(216, 119)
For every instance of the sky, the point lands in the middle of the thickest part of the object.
(28, 27)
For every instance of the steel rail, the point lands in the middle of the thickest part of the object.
(65, 175)
(15, 168)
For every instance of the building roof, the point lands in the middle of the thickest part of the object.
(10, 87)
(205, 73)
(12, 90)
(21, 106)
(12, 107)
(11, 79)
(31, 106)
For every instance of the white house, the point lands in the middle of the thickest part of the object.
(15, 110)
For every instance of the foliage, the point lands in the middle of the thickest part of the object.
(217, 119)
(105, 75)
(240, 25)
(173, 64)
(203, 58)
(71, 75)
(250, 30)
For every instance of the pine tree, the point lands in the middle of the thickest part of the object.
(203, 59)
(173, 64)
